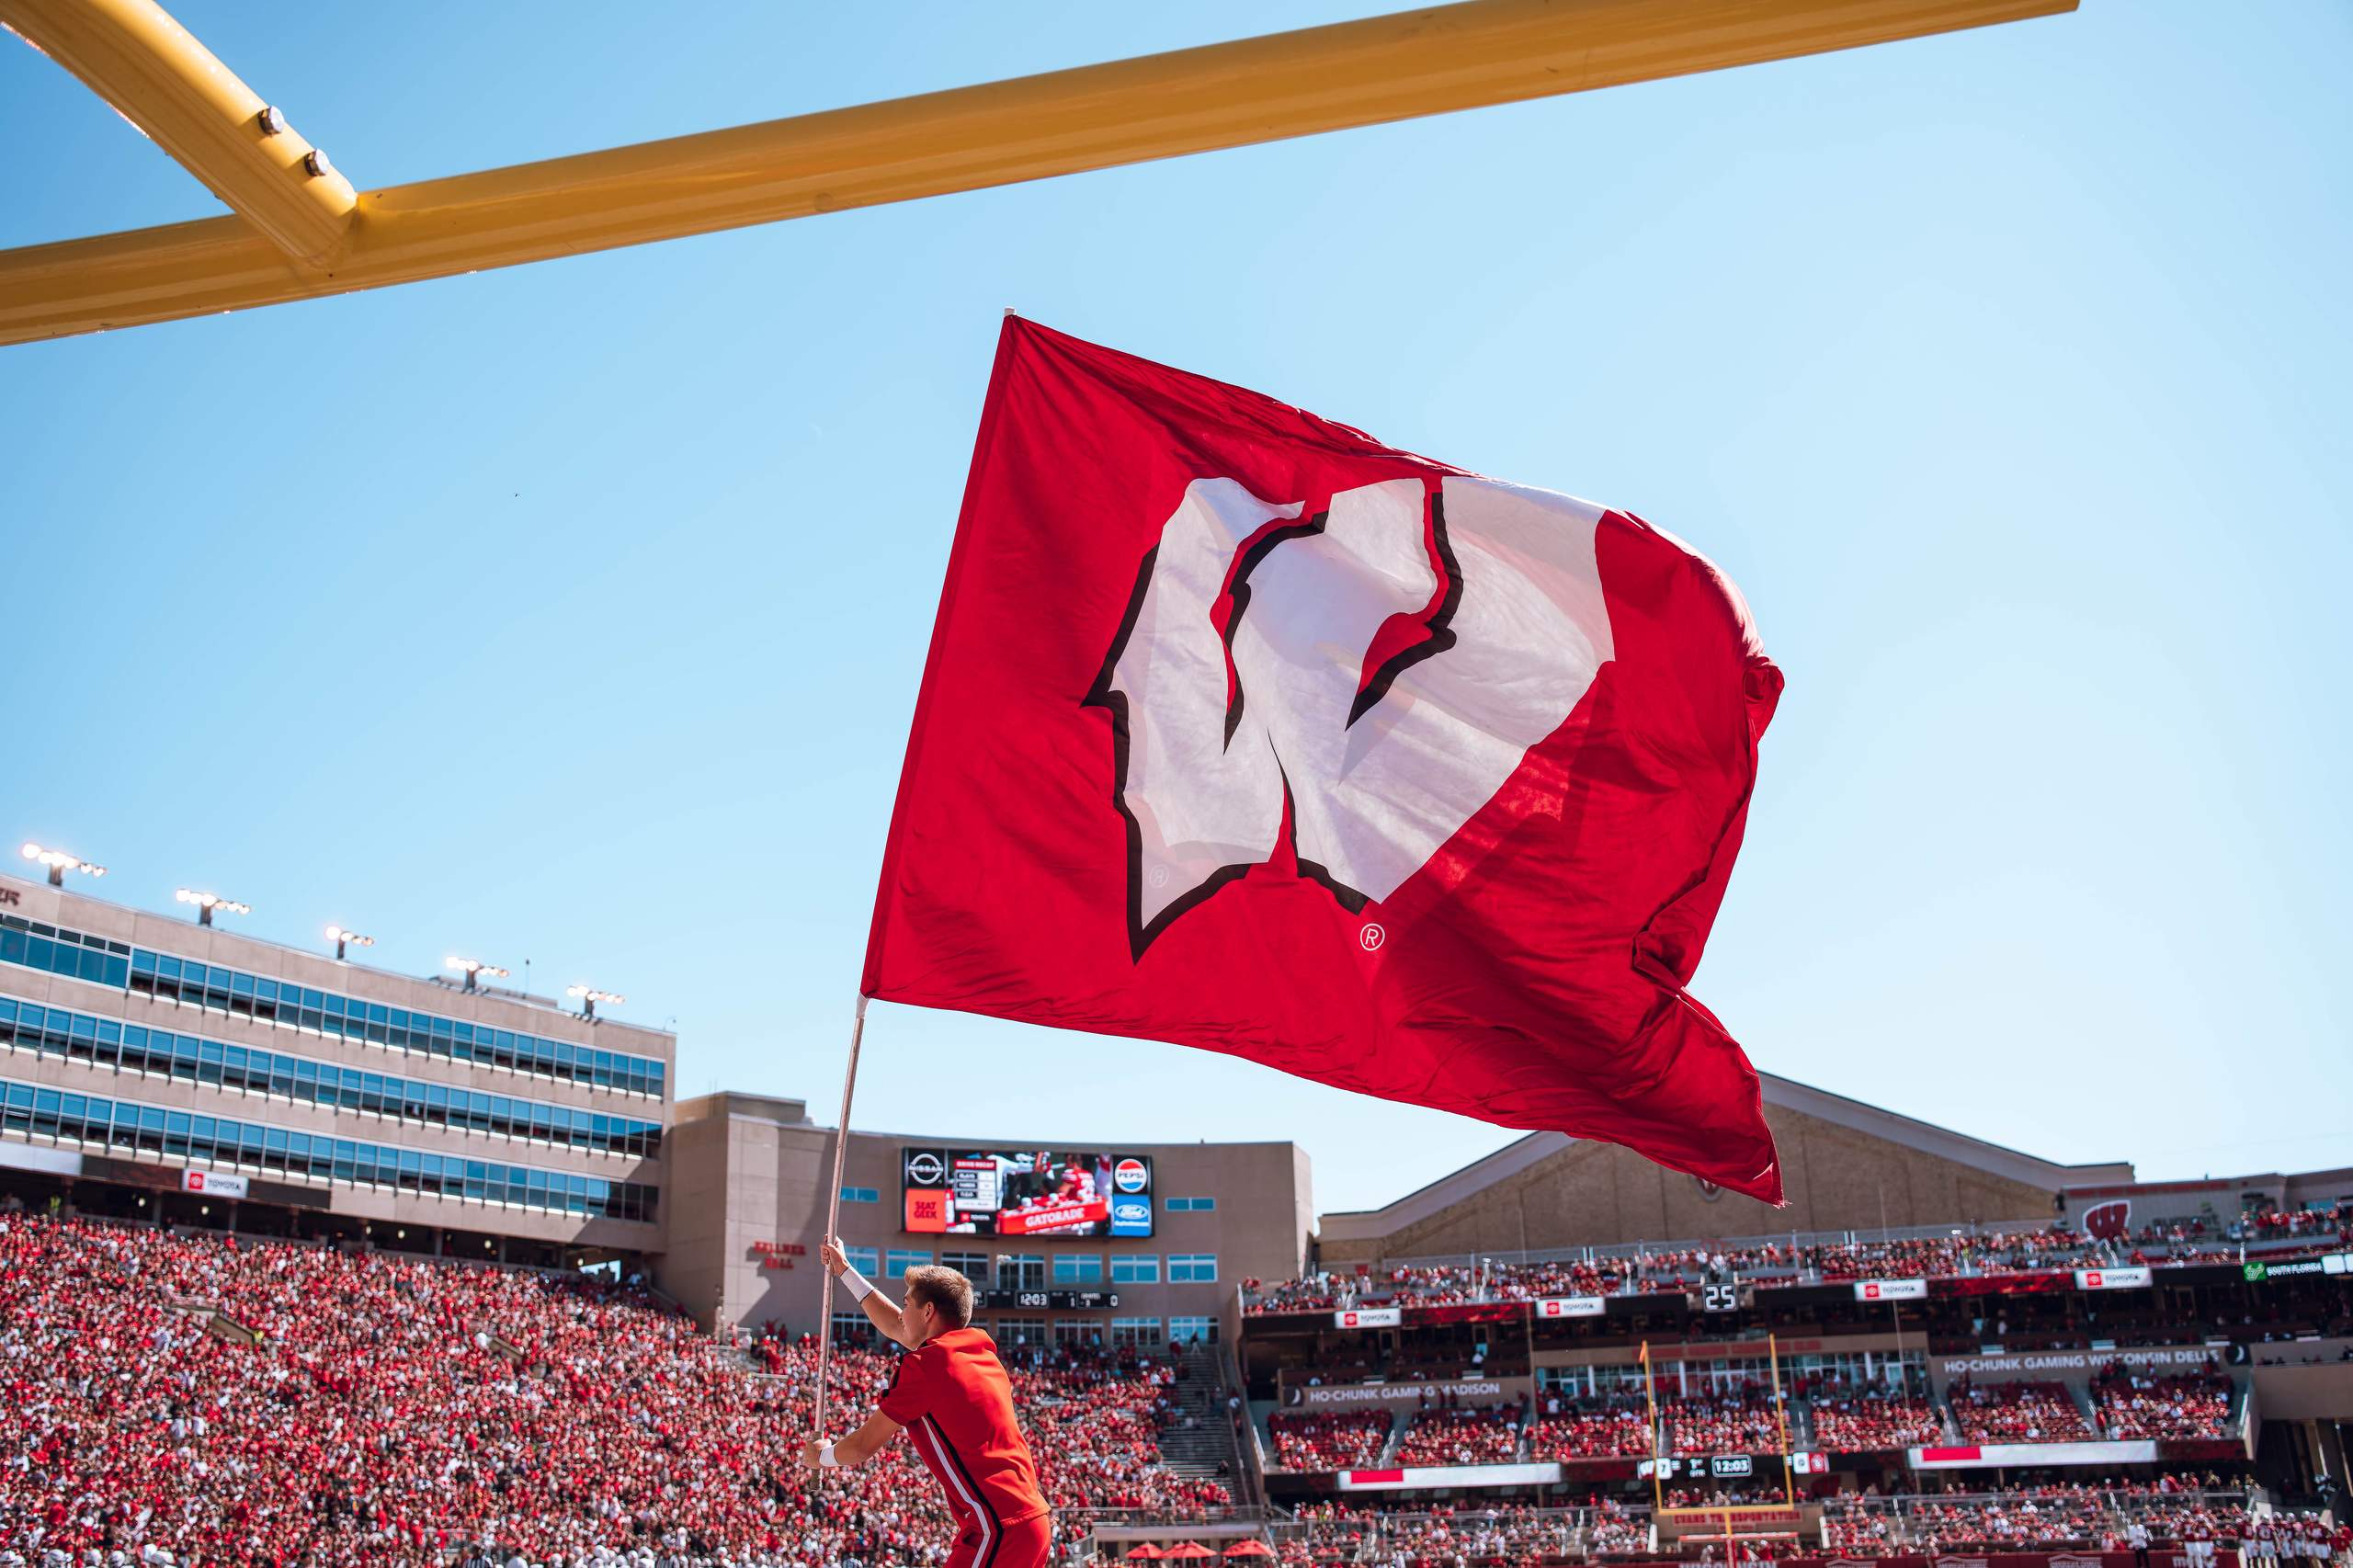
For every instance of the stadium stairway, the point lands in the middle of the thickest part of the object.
(1202, 1438)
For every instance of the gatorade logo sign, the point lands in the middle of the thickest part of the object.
(1129, 1175)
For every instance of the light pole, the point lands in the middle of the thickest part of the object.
(474, 969)
(59, 863)
(589, 996)
(206, 903)
(343, 938)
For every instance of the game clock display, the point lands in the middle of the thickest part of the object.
(1026, 1192)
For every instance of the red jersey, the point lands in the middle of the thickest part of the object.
(955, 1400)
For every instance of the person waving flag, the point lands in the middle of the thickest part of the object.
(950, 1395)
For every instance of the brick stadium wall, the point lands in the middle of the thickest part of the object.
(1591, 1194)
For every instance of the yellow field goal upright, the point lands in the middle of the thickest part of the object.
(299, 228)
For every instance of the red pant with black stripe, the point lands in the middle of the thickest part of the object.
(985, 1543)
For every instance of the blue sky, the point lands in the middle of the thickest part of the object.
(574, 613)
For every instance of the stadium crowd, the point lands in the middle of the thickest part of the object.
(1486, 1434)
(1852, 1424)
(2132, 1404)
(2016, 1412)
(1743, 1422)
(201, 1400)
(1770, 1263)
(1343, 1440)
(2055, 1515)
(1332, 1531)
(1605, 1428)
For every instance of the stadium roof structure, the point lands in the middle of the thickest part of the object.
(297, 227)
(1781, 1094)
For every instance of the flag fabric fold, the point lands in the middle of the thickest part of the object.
(1243, 731)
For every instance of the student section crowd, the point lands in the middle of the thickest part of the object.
(201, 1401)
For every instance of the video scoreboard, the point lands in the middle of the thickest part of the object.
(1026, 1192)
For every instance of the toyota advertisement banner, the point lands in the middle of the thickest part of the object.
(1369, 1317)
(2136, 1279)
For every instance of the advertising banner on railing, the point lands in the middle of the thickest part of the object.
(2065, 1365)
(2135, 1278)
(1891, 1289)
(1405, 1395)
(1369, 1317)
(2256, 1271)
(1449, 1475)
(1571, 1307)
(1971, 1456)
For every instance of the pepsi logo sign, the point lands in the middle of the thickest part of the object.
(1129, 1175)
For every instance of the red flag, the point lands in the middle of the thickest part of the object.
(1244, 731)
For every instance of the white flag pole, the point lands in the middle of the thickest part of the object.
(833, 1217)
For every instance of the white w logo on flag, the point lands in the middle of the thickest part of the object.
(1384, 663)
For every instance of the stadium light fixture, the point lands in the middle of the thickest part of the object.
(59, 863)
(474, 969)
(206, 903)
(589, 996)
(343, 938)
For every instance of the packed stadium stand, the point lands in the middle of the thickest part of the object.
(2043, 1391)
(235, 1179)
(2130, 1405)
(1736, 1423)
(2019, 1413)
(1467, 1435)
(1772, 1265)
(259, 1402)
(1344, 1440)
(1601, 1428)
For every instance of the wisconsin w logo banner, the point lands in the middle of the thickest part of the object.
(1243, 731)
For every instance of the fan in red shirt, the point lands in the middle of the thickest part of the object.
(952, 1396)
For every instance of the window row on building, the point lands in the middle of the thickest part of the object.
(103, 961)
(1014, 1334)
(128, 1127)
(105, 1042)
(1017, 1271)
(861, 1195)
(1189, 1205)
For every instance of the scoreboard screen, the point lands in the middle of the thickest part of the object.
(1026, 1192)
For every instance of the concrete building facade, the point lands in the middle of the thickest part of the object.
(154, 1066)
(749, 1177)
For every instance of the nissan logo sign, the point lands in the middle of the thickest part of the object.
(924, 1168)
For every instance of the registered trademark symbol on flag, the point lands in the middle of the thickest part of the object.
(1372, 936)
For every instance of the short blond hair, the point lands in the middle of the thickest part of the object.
(945, 1288)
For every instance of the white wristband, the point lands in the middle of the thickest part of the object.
(854, 1283)
(825, 1459)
